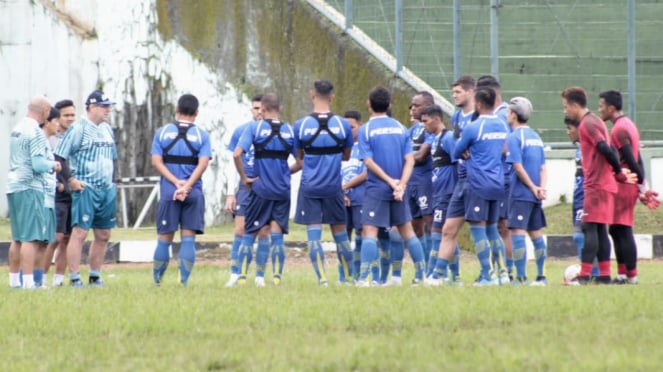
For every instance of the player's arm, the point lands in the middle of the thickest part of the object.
(356, 180)
(378, 171)
(160, 167)
(626, 151)
(611, 156)
(422, 154)
(239, 165)
(346, 153)
(463, 143)
(299, 162)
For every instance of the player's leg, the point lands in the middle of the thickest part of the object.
(384, 246)
(258, 214)
(63, 232)
(14, 264)
(309, 213)
(418, 204)
(168, 217)
(400, 216)
(496, 242)
(375, 215)
(239, 217)
(478, 214)
(537, 222)
(333, 213)
(262, 254)
(103, 222)
(393, 257)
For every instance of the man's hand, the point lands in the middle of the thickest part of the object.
(540, 193)
(346, 200)
(650, 199)
(231, 203)
(399, 190)
(76, 185)
(57, 167)
(626, 176)
(249, 181)
(181, 193)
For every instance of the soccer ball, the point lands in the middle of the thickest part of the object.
(571, 273)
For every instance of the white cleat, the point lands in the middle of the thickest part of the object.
(233, 280)
(260, 281)
(362, 284)
(504, 279)
(433, 282)
(394, 281)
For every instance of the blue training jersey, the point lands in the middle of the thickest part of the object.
(271, 152)
(26, 142)
(248, 157)
(501, 112)
(351, 169)
(321, 173)
(484, 138)
(459, 121)
(166, 136)
(386, 141)
(421, 172)
(525, 147)
(444, 174)
(90, 150)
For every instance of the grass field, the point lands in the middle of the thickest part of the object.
(132, 325)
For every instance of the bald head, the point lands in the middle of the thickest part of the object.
(39, 108)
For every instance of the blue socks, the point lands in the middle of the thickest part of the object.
(315, 252)
(498, 250)
(540, 254)
(234, 252)
(520, 255)
(369, 253)
(435, 238)
(424, 241)
(482, 249)
(417, 254)
(187, 257)
(278, 256)
(397, 252)
(262, 255)
(344, 253)
(454, 266)
(356, 258)
(161, 259)
(38, 276)
(244, 256)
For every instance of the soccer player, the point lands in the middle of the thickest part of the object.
(354, 175)
(48, 127)
(527, 190)
(444, 175)
(481, 144)
(503, 251)
(387, 152)
(578, 193)
(237, 193)
(601, 168)
(180, 152)
(28, 165)
(463, 91)
(323, 140)
(420, 188)
(62, 200)
(89, 147)
(625, 137)
(268, 202)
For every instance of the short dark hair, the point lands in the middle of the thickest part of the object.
(187, 104)
(54, 114)
(486, 96)
(352, 114)
(323, 88)
(569, 121)
(428, 97)
(379, 98)
(466, 82)
(271, 102)
(612, 98)
(64, 103)
(575, 95)
(257, 98)
(434, 110)
(488, 81)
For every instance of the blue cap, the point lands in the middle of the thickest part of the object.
(98, 98)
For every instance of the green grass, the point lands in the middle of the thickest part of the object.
(132, 325)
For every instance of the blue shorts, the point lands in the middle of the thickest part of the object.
(189, 214)
(480, 209)
(27, 216)
(457, 204)
(526, 215)
(504, 202)
(384, 213)
(63, 218)
(312, 211)
(93, 208)
(49, 217)
(242, 199)
(440, 207)
(353, 214)
(419, 198)
(260, 212)
(578, 200)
